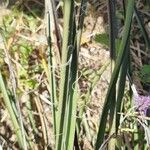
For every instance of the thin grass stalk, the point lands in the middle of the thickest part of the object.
(17, 111)
(65, 70)
(82, 13)
(42, 121)
(83, 9)
(51, 26)
(50, 7)
(51, 74)
(73, 86)
(19, 115)
(135, 136)
(8, 104)
(86, 127)
(124, 8)
(113, 29)
(103, 120)
(72, 101)
(142, 27)
(122, 79)
(16, 106)
(121, 86)
(72, 105)
(124, 72)
(31, 116)
(112, 35)
(56, 25)
(121, 89)
(32, 145)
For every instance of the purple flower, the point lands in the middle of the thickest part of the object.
(142, 103)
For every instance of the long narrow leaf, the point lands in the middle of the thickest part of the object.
(65, 72)
(112, 35)
(114, 78)
(7, 102)
(51, 74)
(141, 25)
(121, 85)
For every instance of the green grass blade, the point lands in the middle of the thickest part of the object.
(51, 74)
(8, 104)
(115, 73)
(72, 100)
(113, 30)
(121, 85)
(142, 27)
(67, 47)
(82, 14)
(112, 37)
(71, 96)
(72, 105)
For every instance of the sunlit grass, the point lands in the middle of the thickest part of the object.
(40, 85)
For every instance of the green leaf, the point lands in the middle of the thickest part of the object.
(145, 74)
(115, 74)
(102, 39)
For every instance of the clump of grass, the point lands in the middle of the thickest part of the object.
(46, 78)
